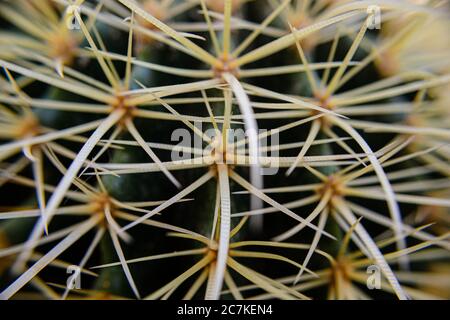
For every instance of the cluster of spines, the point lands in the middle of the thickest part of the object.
(367, 121)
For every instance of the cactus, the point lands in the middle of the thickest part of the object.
(224, 149)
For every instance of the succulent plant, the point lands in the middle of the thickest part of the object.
(224, 149)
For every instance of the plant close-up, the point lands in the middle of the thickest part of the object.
(224, 149)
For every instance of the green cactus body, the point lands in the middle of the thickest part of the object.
(107, 161)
